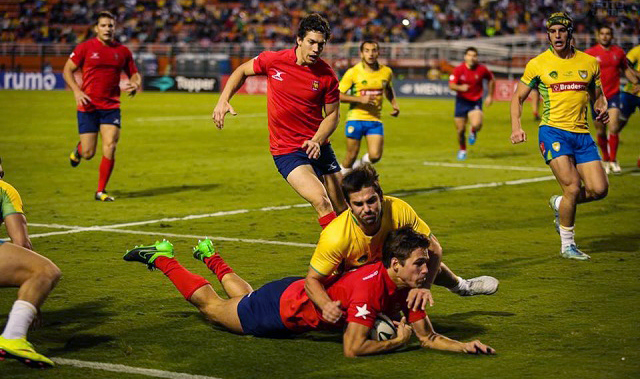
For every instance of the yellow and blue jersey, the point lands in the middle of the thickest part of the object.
(564, 85)
(342, 242)
(358, 82)
(10, 201)
(634, 58)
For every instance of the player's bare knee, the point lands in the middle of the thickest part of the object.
(322, 204)
(50, 273)
(571, 192)
(599, 192)
(88, 154)
(375, 156)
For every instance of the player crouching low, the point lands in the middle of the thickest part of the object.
(282, 307)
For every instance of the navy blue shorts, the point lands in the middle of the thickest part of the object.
(555, 142)
(259, 311)
(612, 102)
(464, 106)
(628, 104)
(355, 129)
(326, 164)
(89, 122)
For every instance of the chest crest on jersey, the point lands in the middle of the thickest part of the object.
(583, 74)
(315, 85)
(277, 75)
(94, 56)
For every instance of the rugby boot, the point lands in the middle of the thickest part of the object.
(148, 254)
(21, 350)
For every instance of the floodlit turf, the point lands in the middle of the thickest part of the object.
(551, 317)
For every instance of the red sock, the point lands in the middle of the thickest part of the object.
(106, 167)
(614, 139)
(218, 266)
(79, 147)
(326, 219)
(463, 146)
(473, 130)
(186, 282)
(604, 148)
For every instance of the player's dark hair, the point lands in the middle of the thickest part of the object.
(604, 26)
(314, 23)
(103, 14)
(470, 48)
(371, 42)
(359, 178)
(400, 243)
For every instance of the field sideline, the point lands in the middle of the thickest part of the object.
(179, 177)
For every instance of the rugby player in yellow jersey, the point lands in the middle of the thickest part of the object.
(630, 97)
(363, 86)
(356, 238)
(21, 267)
(567, 79)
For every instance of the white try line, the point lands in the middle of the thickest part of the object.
(486, 166)
(128, 369)
(194, 117)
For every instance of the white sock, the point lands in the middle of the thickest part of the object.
(558, 200)
(357, 163)
(462, 284)
(345, 170)
(21, 316)
(567, 236)
(365, 158)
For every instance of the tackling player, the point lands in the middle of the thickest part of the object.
(363, 86)
(101, 59)
(356, 237)
(300, 86)
(612, 61)
(630, 97)
(282, 308)
(567, 80)
(34, 274)
(467, 81)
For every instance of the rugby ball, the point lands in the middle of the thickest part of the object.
(383, 329)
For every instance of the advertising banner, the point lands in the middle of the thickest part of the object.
(31, 81)
(181, 83)
(423, 88)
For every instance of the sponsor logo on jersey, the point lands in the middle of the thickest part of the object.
(569, 86)
(554, 74)
(583, 74)
(277, 75)
(568, 73)
(367, 92)
(372, 275)
(95, 55)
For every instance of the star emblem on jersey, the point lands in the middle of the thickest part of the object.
(315, 85)
(277, 75)
(554, 74)
(583, 73)
(362, 311)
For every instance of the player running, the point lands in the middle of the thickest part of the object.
(567, 80)
(282, 308)
(612, 61)
(300, 86)
(356, 237)
(101, 59)
(630, 97)
(467, 80)
(34, 274)
(363, 86)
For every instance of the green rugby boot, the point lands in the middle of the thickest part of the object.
(148, 254)
(204, 249)
(21, 350)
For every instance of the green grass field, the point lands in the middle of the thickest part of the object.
(551, 318)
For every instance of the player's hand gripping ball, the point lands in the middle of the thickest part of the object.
(383, 329)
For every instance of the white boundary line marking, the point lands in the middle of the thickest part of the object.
(128, 369)
(491, 167)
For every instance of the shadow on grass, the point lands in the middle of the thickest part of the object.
(628, 243)
(502, 154)
(164, 190)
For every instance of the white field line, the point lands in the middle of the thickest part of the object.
(483, 166)
(479, 185)
(194, 117)
(128, 369)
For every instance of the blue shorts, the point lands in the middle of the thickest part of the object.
(612, 102)
(356, 128)
(628, 104)
(89, 122)
(555, 142)
(326, 164)
(464, 106)
(259, 311)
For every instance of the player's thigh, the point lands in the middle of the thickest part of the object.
(460, 123)
(18, 264)
(565, 171)
(306, 183)
(594, 177)
(475, 117)
(88, 143)
(110, 134)
(614, 120)
(375, 144)
(333, 185)
(353, 146)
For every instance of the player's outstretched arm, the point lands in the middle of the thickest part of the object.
(599, 104)
(357, 343)
(458, 87)
(632, 75)
(522, 92)
(489, 99)
(236, 80)
(432, 340)
(314, 286)
(69, 78)
(16, 224)
(326, 128)
(367, 99)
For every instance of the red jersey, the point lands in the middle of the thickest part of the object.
(364, 292)
(473, 77)
(101, 66)
(296, 96)
(612, 61)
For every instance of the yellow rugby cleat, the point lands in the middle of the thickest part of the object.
(21, 350)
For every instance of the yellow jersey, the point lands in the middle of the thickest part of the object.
(10, 201)
(563, 85)
(359, 82)
(634, 58)
(343, 245)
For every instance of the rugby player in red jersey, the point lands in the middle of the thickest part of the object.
(101, 59)
(300, 86)
(612, 60)
(466, 80)
(282, 307)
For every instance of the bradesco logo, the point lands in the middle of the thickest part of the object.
(195, 84)
(569, 86)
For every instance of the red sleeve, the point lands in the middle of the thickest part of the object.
(591, 51)
(261, 62)
(77, 57)
(130, 65)
(454, 77)
(488, 74)
(624, 62)
(361, 312)
(333, 93)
